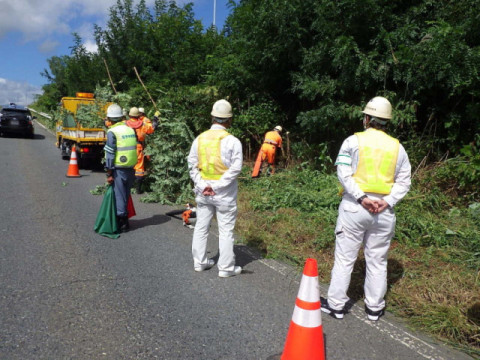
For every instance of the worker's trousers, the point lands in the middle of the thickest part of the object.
(140, 165)
(123, 181)
(357, 227)
(226, 217)
(268, 153)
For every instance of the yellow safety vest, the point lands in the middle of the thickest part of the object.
(377, 159)
(126, 151)
(209, 157)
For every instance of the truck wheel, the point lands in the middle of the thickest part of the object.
(63, 149)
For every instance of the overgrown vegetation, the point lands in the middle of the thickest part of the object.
(310, 66)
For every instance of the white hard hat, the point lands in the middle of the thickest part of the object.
(114, 111)
(379, 107)
(278, 128)
(134, 112)
(222, 109)
(141, 110)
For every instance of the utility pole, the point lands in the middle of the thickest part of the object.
(214, 10)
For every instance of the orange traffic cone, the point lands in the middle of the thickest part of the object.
(73, 166)
(305, 336)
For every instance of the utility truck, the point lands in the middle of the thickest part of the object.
(87, 135)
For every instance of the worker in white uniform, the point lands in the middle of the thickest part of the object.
(374, 171)
(215, 161)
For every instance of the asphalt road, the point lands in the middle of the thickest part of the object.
(68, 293)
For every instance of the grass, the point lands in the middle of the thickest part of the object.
(434, 260)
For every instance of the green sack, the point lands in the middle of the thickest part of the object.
(106, 223)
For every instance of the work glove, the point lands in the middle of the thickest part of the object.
(110, 179)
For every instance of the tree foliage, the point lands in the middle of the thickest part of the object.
(309, 65)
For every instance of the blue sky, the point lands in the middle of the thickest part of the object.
(32, 31)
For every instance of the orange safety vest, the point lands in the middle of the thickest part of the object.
(377, 160)
(145, 120)
(274, 138)
(209, 156)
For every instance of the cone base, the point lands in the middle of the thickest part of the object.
(304, 343)
(72, 176)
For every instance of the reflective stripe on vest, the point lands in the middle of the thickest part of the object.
(272, 137)
(126, 153)
(209, 156)
(377, 159)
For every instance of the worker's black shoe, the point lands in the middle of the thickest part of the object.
(337, 314)
(374, 315)
(123, 224)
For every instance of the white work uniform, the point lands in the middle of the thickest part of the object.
(357, 226)
(223, 203)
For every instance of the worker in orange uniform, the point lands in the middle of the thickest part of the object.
(268, 151)
(142, 129)
(143, 117)
(146, 120)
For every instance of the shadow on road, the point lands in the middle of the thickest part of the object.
(153, 220)
(242, 258)
(20, 136)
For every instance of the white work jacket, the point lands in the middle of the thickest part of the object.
(347, 161)
(226, 188)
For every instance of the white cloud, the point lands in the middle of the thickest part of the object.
(91, 46)
(33, 18)
(86, 33)
(37, 19)
(19, 93)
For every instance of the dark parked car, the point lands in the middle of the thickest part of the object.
(16, 119)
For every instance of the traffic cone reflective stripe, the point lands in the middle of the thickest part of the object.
(73, 165)
(305, 335)
(307, 305)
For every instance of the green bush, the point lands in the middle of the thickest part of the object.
(460, 175)
(168, 176)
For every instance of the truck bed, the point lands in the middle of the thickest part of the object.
(83, 134)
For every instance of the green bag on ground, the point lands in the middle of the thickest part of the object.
(106, 223)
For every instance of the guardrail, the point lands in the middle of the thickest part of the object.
(40, 113)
